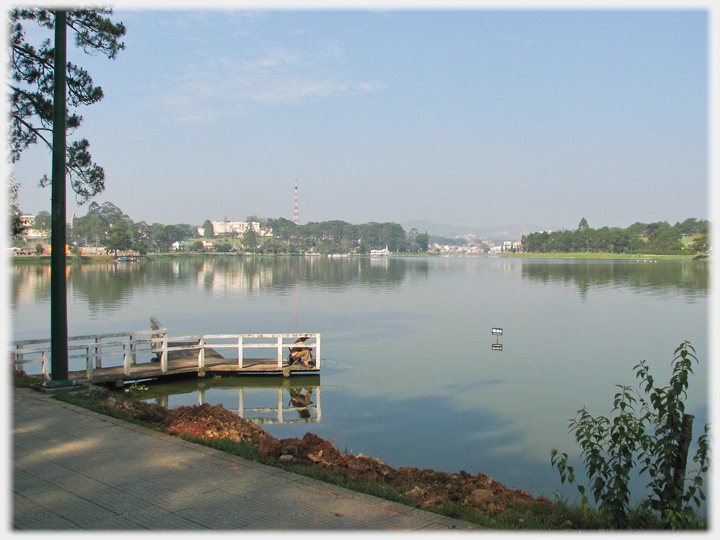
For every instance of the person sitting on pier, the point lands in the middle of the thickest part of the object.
(302, 353)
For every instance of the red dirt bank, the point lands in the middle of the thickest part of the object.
(426, 488)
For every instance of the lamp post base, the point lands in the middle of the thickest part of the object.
(58, 384)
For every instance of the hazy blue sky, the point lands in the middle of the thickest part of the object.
(473, 117)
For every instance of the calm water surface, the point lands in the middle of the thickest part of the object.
(409, 374)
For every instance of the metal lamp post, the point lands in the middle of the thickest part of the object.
(58, 278)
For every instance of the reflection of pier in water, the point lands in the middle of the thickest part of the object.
(278, 400)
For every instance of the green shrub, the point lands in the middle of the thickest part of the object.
(651, 431)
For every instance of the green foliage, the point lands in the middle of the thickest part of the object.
(657, 238)
(423, 241)
(665, 239)
(165, 236)
(135, 389)
(14, 213)
(208, 231)
(120, 238)
(644, 430)
(249, 238)
(43, 221)
(700, 244)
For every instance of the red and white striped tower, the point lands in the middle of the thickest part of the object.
(296, 216)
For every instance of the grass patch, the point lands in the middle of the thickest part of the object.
(23, 380)
(596, 256)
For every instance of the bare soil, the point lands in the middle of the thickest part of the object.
(426, 488)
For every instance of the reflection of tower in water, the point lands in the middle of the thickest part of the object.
(297, 295)
(296, 221)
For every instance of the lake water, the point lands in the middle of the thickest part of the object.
(409, 374)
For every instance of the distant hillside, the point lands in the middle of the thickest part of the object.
(511, 232)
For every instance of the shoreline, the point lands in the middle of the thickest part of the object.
(95, 259)
(606, 256)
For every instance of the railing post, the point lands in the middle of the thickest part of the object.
(240, 351)
(164, 354)
(154, 325)
(279, 351)
(201, 352)
(89, 363)
(317, 351)
(98, 353)
(126, 358)
(18, 358)
(133, 356)
(45, 365)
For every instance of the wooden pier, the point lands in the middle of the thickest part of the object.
(152, 354)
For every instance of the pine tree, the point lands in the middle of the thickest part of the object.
(32, 82)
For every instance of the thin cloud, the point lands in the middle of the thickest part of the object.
(273, 75)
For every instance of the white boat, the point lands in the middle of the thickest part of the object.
(380, 252)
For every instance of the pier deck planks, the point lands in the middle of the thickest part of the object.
(186, 362)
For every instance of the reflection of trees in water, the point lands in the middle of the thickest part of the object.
(253, 273)
(688, 277)
(105, 286)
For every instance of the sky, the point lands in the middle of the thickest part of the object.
(473, 116)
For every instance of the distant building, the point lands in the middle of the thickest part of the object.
(93, 250)
(235, 228)
(27, 221)
(183, 245)
(508, 246)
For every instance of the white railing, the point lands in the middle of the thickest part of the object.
(95, 348)
(239, 342)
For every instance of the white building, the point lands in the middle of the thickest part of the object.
(27, 221)
(235, 228)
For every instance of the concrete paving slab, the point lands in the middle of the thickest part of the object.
(74, 469)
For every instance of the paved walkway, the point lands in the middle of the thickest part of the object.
(74, 469)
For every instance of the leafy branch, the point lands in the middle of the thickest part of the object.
(32, 82)
(652, 431)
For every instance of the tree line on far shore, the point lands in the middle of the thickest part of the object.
(108, 226)
(659, 238)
